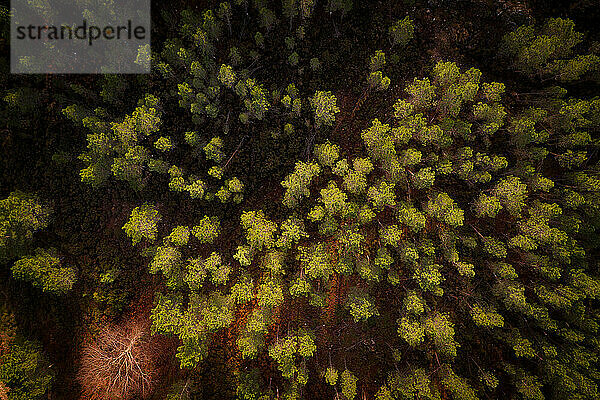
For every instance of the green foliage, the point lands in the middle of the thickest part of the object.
(167, 259)
(163, 144)
(469, 216)
(21, 215)
(380, 146)
(493, 91)
(325, 108)
(414, 304)
(494, 247)
(25, 372)
(348, 384)
(512, 194)
(492, 117)
(300, 287)
(487, 318)
(488, 206)
(408, 215)
(207, 230)
(44, 270)
(179, 236)
(456, 385)
(424, 178)
(355, 180)
(292, 231)
(429, 278)
(113, 147)
(382, 195)
(227, 77)
(443, 208)
(377, 61)
(296, 183)
(546, 51)
(242, 291)
(244, 255)
(439, 328)
(445, 73)
(270, 294)
(422, 92)
(195, 276)
(219, 272)
(294, 347)
(204, 315)
(252, 339)
(331, 376)
(391, 235)
(213, 150)
(334, 199)
(327, 154)
(315, 261)
(260, 232)
(414, 384)
(143, 223)
(361, 305)
(401, 32)
(412, 331)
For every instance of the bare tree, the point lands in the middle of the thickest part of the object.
(119, 363)
(3, 391)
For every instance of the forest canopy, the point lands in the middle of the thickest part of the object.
(309, 200)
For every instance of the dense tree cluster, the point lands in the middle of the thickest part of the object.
(400, 233)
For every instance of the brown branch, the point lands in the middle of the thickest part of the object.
(118, 364)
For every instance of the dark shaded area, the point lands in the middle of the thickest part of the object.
(39, 149)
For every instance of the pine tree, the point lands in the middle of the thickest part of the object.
(422, 93)
(334, 200)
(401, 32)
(348, 384)
(296, 183)
(439, 328)
(142, 223)
(443, 208)
(411, 330)
(324, 104)
(25, 371)
(512, 194)
(456, 385)
(207, 230)
(260, 232)
(546, 51)
(292, 231)
(361, 306)
(21, 215)
(315, 261)
(44, 270)
(408, 215)
(327, 154)
(227, 76)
